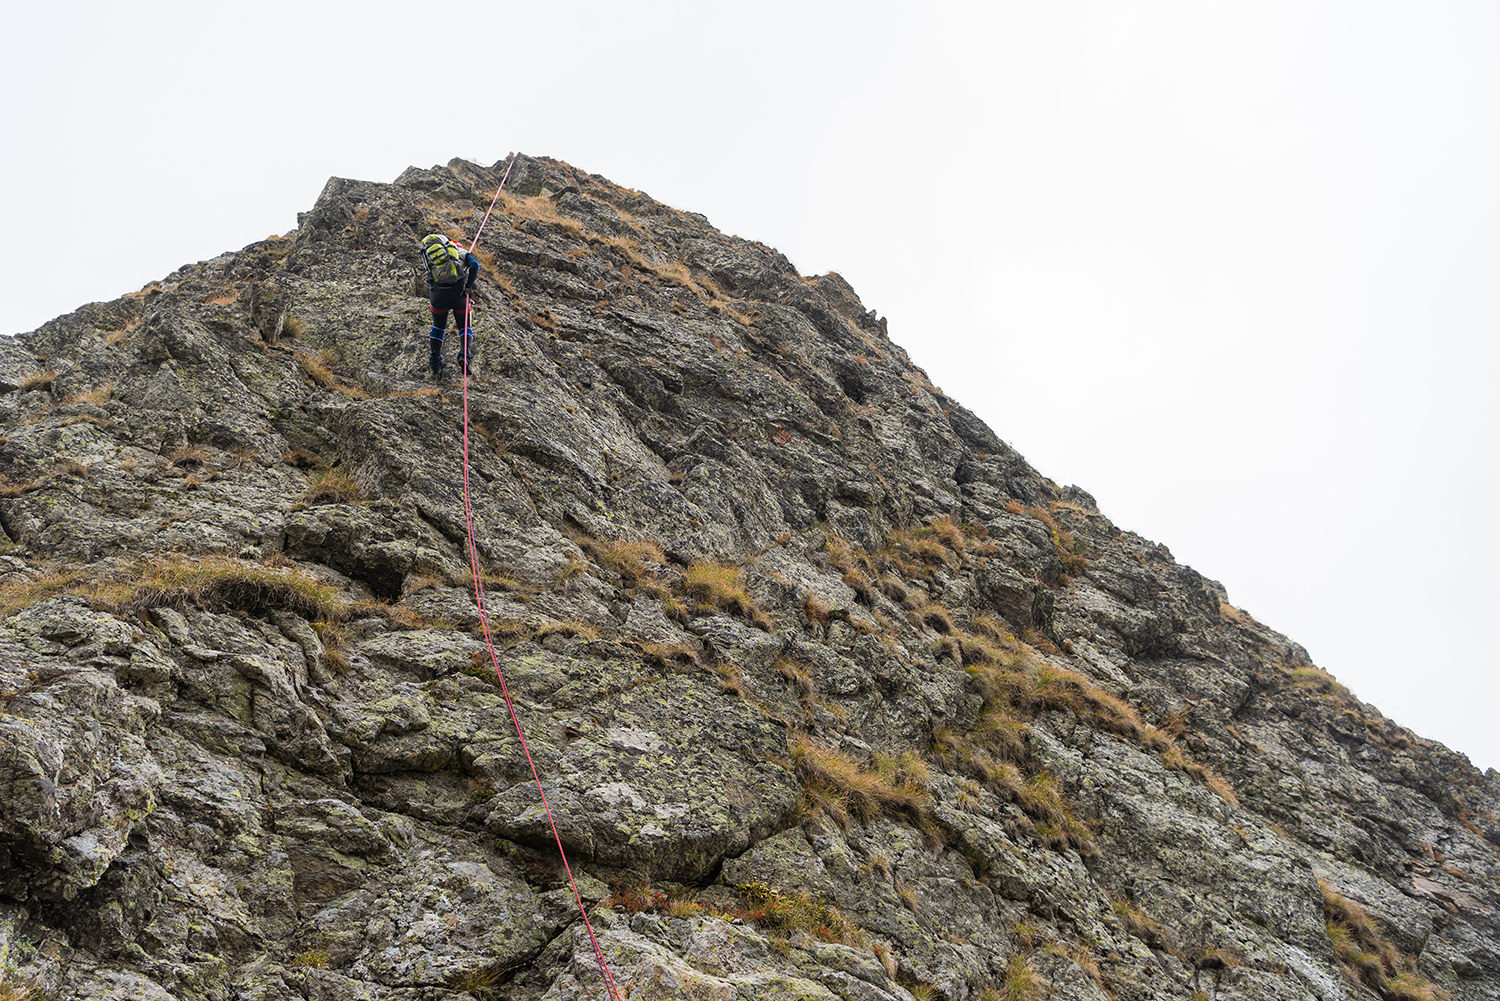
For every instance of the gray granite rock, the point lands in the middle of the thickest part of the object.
(830, 694)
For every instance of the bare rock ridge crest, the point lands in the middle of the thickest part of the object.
(833, 695)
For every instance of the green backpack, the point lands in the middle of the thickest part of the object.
(445, 261)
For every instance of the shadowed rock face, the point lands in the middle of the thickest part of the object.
(831, 694)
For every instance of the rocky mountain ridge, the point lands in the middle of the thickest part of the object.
(832, 694)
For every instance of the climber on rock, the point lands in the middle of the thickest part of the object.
(451, 273)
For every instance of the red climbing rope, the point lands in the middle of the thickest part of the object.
(484, 622)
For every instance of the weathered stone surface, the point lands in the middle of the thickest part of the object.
(667, 785)
(76, 773)
(831, 695)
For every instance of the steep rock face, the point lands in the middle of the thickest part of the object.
(831, 694)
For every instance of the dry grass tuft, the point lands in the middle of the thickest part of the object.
(98, 396)
(838, 550)
(817, 611)
(836, 784)
(864, 591)
(798, 673)
(730, 680)
(419, 582)
(224, 584)
(991, 628)
(397, 615)
(1220, 787)
(1142, 925)
(331, 486)
(1320, 682)
(49, 583)
(8, 489)
(632, 898)
(12, 989)
(503, 582)
(1070, 549)
(1411, 986)
(1367, 957)
(935, 616)
(678, 908)
(895, 589)
(218, 583)
(509, 630)
(480, 983)
(331, 633)
(568, 627)
(1001, 734)
(1021, 981)
(37, 379)
(668, 656)
(717, 587)
(948, 532)
(1177, 761)
(539, 208)
(1033, 686)
(917, 553)
(908, 897)
(629, 559)
(319, 368)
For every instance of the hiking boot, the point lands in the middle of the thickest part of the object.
(436, 364)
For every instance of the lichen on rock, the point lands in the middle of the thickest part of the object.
(829, 692)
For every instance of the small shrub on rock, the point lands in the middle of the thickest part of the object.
(481, 983)
(791, 912)
(314, 959)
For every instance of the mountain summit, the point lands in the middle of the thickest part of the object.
(831, 694)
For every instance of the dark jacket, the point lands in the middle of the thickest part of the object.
(471, 272)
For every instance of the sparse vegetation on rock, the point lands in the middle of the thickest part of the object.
(832, 695)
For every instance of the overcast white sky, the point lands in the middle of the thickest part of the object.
(1230, 267)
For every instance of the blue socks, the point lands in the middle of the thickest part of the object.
(435, 348)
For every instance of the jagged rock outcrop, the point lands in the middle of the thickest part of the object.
(832, 695)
